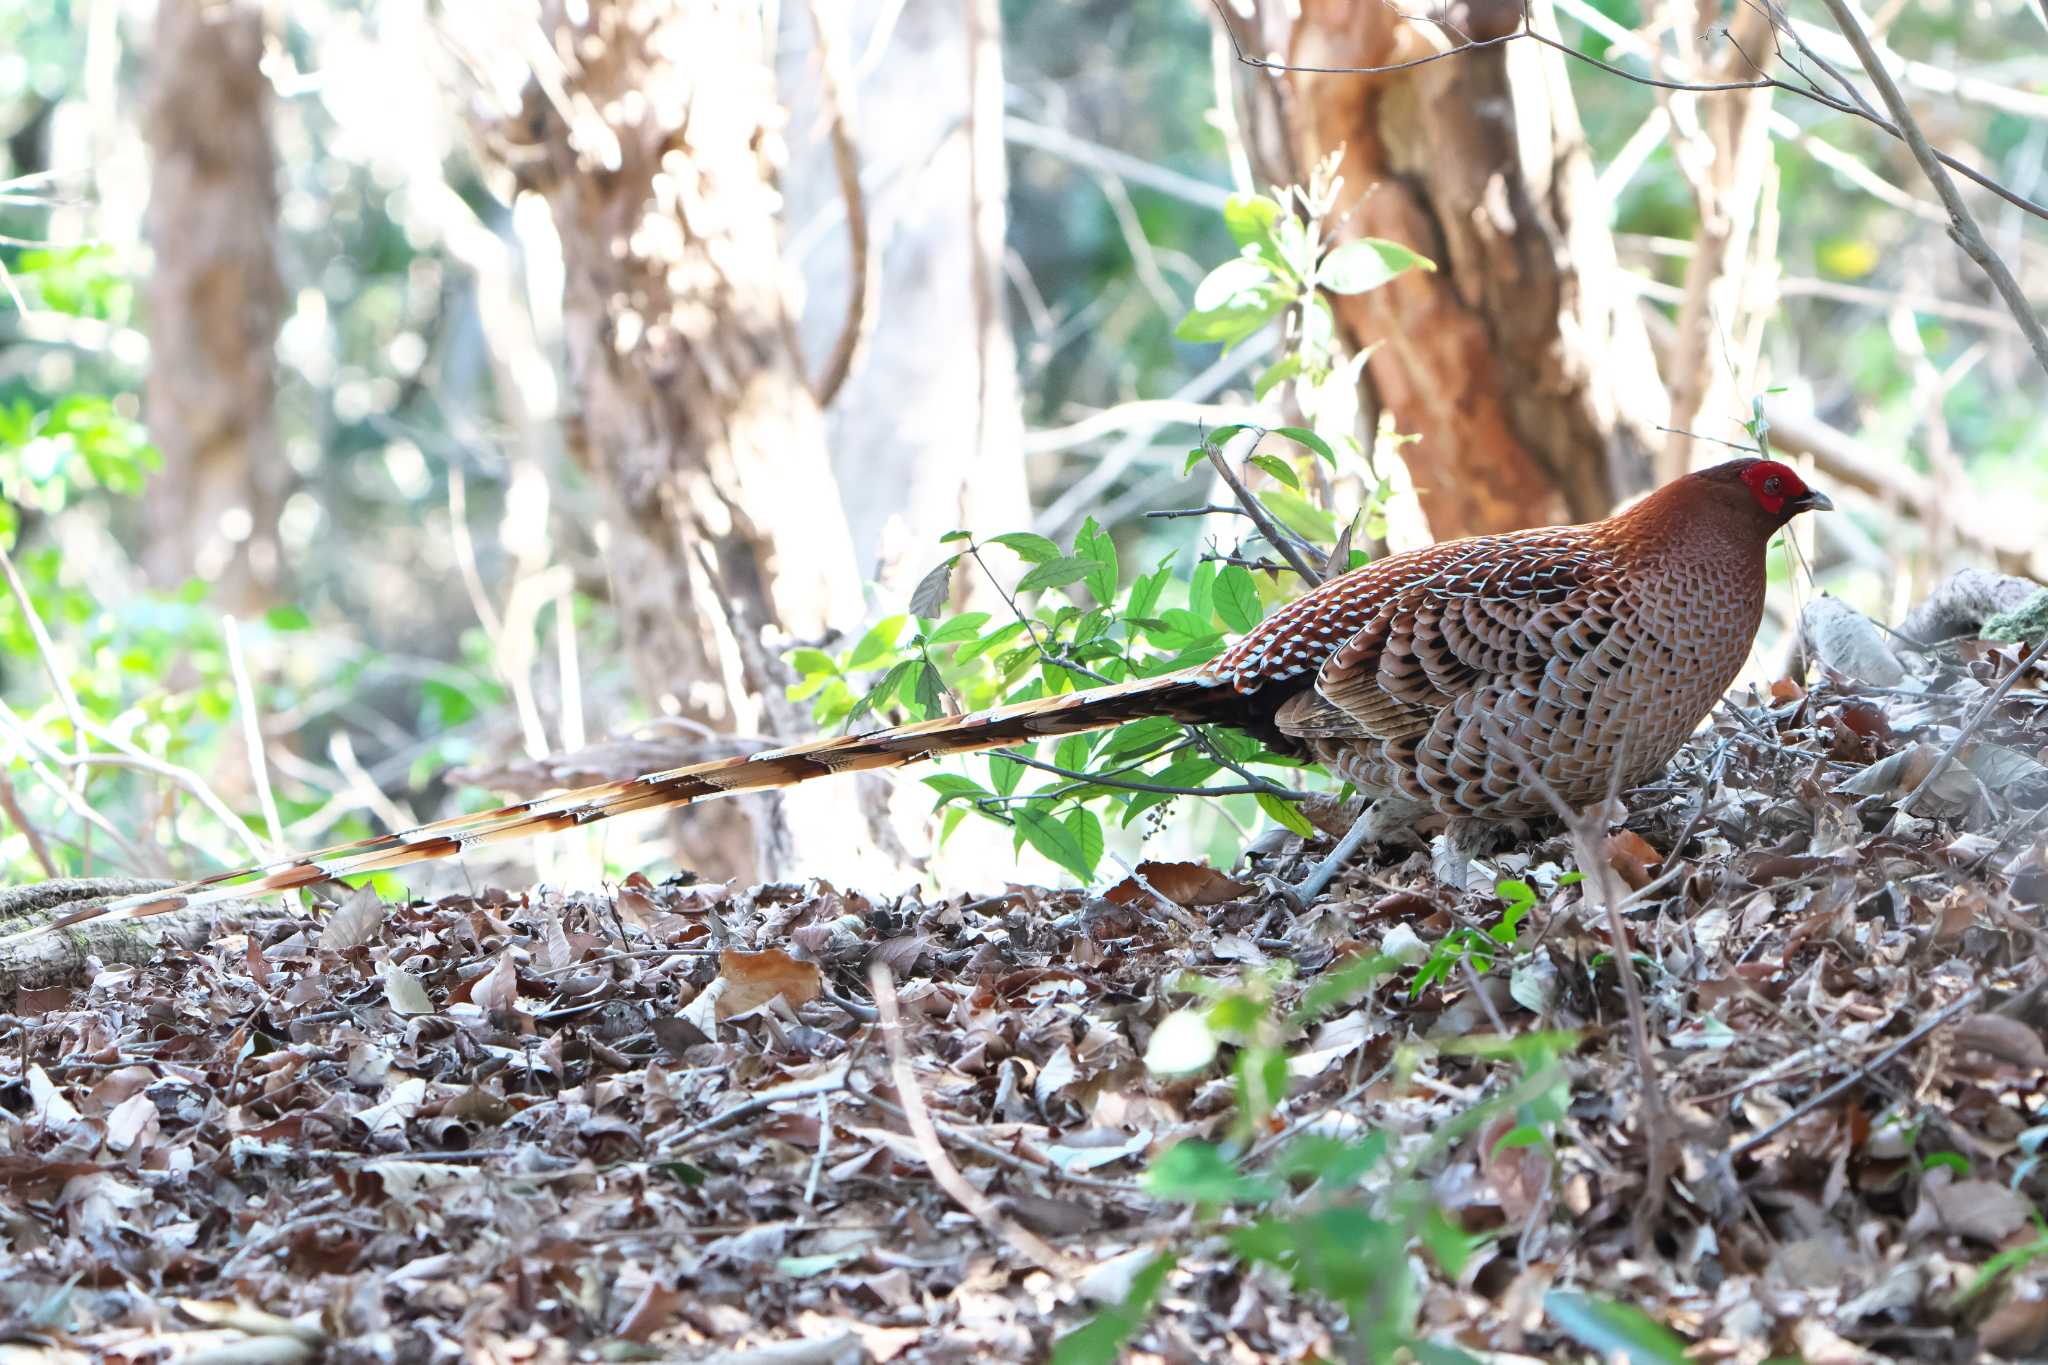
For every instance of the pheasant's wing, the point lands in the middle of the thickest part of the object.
(1392, 644)
(1531, 616)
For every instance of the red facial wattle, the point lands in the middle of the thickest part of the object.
(1773, 485)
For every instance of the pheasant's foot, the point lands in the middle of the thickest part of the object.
(1382, 818)
(1463, 840)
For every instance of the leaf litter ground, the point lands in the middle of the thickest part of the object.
(660, 1123)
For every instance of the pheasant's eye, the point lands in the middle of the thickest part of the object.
(1771, 485)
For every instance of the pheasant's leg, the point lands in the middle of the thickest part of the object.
(1378, 820)
(1452, 852)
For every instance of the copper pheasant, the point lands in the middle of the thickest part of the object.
(1477, 679)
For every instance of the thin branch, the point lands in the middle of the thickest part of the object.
(1970, 726)
(864, 288)
(252, 734)
(1148, 413)
(1255, 787)
(1261, 518)
(1962, 223)
(1813, 1102)
(11, 804)
(1020, 1239)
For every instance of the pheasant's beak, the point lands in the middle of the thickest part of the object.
(1812, 500)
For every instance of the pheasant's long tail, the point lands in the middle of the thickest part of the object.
(1186, 696)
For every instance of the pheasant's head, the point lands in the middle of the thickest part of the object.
(1758, 496)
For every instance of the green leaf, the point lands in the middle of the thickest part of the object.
(926, 692)
(1233, 324)
(1366, 264)
(954, 787)
(1340, 986)
(1057, 842)
(877, 644)
(1237, 281)
(1279, 469)
(1612, 1329)
(1086, 828)
(1300, 515)
(1057, 574)
(1275, 374)
(1198, 1173)
(1072, 752)
(1034, 548)
(1250, 218)
(1308, 438)
(1202, 590)
(1101, 1340)
(928, 599)
(1286, 814)
(958, 628)
(809, 662)
(1126, 741)
(1332, 1160)
(1146, 592)
(996, 640)
(1237, 598)
(287, 618)
(1092, 543)
(1006, 773)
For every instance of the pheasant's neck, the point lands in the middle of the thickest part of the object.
(1703, 580)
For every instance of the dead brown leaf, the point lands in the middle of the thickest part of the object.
(1185, 884)
(753, 979)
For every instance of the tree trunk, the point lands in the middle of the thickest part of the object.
(654, 141)
(215, 302)
(926, 430)
(1519, 364)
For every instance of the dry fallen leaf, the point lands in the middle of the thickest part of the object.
(354, 922)
(753, 979)
(1981, 1209)
(1634, 859)
(1185, 884)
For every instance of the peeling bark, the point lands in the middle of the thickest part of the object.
(1519, 365)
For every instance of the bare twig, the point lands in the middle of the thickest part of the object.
(1800, 1111)
(11, 804)
(1977, 718)
(830, 1083)
(1020, 1239)
(252, 732)
(864, 286)
(1254, 787)
(1962, 223)
(1261, 518)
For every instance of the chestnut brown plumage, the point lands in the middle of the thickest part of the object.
(1477, 679)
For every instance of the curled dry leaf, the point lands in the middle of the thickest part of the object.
(1185, 884)
(753, 979)
(1634, 859)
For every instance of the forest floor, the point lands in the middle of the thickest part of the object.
(671, 1123)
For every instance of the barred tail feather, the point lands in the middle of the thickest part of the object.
(1187, 695)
